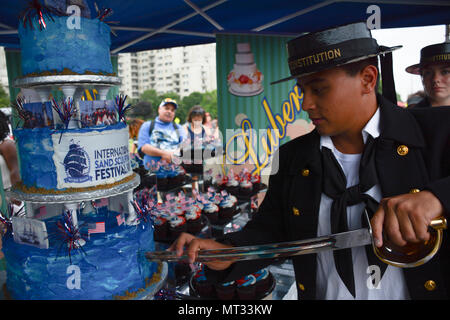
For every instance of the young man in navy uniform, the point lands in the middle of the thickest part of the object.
(364, 154)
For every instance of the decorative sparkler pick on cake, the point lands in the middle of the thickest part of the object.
(36, 9)
(5, 219)
(66, 111)
(120, 106)
(143, 212)
(103, 14)
(70, 233)
(25, 115)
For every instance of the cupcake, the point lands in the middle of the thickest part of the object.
(226, 290)
(161, 228)
(245, 187)
(177, 225)
(227, 207)
(232, 185)
(262, 281)
(221, 182)
(256, 181)
(202, 285)
(246, 287)
(211, 211)
(193, 218)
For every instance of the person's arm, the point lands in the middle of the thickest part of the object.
(9, 152)
(145, 146)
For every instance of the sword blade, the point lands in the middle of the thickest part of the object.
(337, 241)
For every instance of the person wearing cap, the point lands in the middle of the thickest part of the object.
(365, 154)
(434, 68)
(160, 139)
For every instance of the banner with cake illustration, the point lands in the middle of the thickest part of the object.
(255, 117)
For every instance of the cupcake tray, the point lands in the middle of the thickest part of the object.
(194, 295)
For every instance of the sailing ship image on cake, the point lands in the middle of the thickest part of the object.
(245, 79)
(30, 232)
(77, 164)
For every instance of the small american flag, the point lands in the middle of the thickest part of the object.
(42, 211)
(98, 227)
(120, 219)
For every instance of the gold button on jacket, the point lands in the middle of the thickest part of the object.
(430, 285)
(402, 150)
(305, 172)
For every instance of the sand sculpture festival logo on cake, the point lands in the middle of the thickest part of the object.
(77, 164)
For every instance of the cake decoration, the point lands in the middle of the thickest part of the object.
(245, 79)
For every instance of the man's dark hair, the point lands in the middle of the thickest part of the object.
(4, 128)
(352, 69)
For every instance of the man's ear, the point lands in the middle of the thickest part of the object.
(369, 76)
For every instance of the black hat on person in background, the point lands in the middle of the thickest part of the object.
(326, 49)
(435, 53)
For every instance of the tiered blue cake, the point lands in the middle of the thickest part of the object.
(99, 253)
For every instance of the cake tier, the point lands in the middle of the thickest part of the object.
(73, 158)
(109, 265)
(58, 49)
(244, 58)
(246, 69)
(243, 47)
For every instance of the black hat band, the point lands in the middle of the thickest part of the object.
(332, 55)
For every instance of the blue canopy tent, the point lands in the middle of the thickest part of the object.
(145, 25)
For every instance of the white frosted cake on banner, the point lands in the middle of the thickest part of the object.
(245, 79)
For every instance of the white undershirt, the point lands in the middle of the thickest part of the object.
(329, 284)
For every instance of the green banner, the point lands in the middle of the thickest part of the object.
(256, 117)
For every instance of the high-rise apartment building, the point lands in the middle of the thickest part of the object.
(182, 70)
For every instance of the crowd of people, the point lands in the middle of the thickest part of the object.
(162, 138)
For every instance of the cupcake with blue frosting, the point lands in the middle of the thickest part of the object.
(177, 225)
(246, 287)
(211, 211)
(262, 281)
(227, 207)
(193, 218)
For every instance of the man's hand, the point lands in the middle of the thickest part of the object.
(166, 156)
(195, 244)
(405, 218)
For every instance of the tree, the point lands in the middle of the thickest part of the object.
(4, 98)
(209, 103)
(143, 110)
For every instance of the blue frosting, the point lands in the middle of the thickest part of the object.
(57, 47)
(112, 263)
(35, 146)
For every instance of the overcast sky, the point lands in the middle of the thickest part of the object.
(412, 39)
